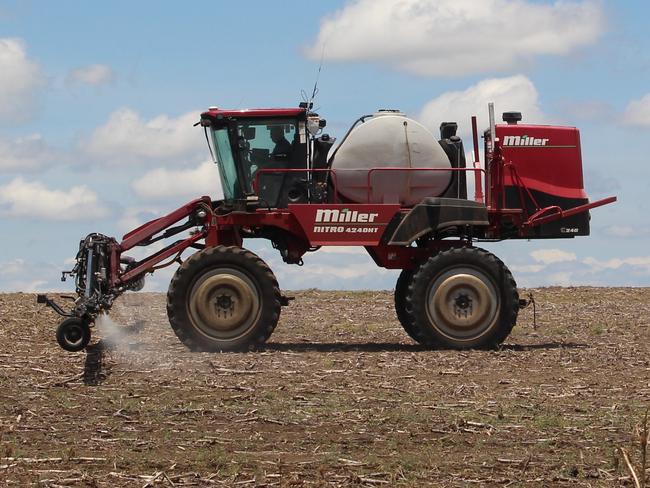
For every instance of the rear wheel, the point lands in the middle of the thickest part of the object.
(463, 298)
(223, 299)
(402, 307)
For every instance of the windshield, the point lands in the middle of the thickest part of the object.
(227, 168)
(260, 144)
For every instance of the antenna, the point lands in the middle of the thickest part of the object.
(314, 92)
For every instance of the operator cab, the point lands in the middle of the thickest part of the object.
(260, 153)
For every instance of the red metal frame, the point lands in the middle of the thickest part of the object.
(151, 228)
(357, 224)
(147, 231)
(537, 219)
(371, 171)
(478, 186)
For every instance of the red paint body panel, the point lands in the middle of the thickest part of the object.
(152, 227)
(148, 263)
(344, 225)
(546, 158)
(254, 112)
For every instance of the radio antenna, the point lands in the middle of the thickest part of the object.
(314, 92)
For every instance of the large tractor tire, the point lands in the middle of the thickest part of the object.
(223, 299)
(402, 307)
(463, 298)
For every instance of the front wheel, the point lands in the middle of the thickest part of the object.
(463, 298)
(73, 334)
(223, 299)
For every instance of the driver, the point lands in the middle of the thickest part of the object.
(282, 148)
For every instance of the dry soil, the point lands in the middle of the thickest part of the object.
(340, 396)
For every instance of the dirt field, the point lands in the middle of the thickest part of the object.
(339, 397)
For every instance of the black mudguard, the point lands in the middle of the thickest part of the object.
(435, 214)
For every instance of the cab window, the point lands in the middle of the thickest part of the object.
(266, 144)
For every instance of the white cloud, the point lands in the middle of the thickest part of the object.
(20, 82)
(599, 183)
(92, 74)
(28, 276)
(20, 198)
(640, 264)
(162, 183)
(348, 250)
(627, 231)
(24, 153)
(159, 281)
(347, 272)
(637, 112)
(561, 278)
(514, 93)
(12, 268)
(136, 216)
(128, 139)
(456, 37)
(326, 271)
(590, 110)
(527, 268)
(551, 256)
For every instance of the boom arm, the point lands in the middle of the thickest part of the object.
(103, 272)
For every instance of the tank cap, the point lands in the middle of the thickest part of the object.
(388, 111)
(511, 118)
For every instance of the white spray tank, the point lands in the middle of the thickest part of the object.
(389, 139)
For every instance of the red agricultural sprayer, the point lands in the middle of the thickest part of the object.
(389, 186)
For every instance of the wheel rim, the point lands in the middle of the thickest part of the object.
(463, 304)
(74, 334)
(224, 304)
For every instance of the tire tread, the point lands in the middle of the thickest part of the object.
(182, 279)
(506, 287)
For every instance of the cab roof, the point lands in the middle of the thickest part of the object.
(215, 113)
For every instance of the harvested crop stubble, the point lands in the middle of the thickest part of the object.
(340, 396)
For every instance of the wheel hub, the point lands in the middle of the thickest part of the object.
(73, 334)
(224, 303)
(463, 303)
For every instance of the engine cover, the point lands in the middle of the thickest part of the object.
(548, 160)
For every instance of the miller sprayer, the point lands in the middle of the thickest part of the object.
(390, 186)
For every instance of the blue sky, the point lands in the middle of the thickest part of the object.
(97, 102)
